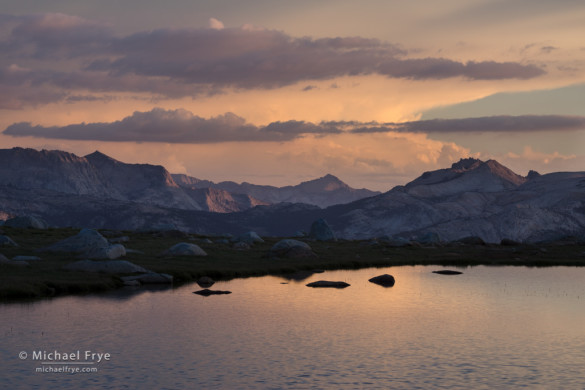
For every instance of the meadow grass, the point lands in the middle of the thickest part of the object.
(48, 278)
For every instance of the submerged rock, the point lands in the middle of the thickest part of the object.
(447, 272)
(326, 283)
(383, 280)
(208, 292)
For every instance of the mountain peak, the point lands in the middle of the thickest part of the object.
(99, 156)
(466, 164)
(325, 183)
(466, 175)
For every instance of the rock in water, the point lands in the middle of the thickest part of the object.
(321, 231)
(383, 280)
(447, 272)
(208, 292)
(326, 283)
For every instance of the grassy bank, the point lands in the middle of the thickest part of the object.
(47, 277)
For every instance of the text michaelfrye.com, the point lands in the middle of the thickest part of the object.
(73, 362)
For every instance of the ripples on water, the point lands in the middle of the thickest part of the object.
(489, 328)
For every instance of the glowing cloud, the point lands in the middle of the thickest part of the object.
(67, 54)
(182, 126)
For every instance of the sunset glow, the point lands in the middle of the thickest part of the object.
(269, 93)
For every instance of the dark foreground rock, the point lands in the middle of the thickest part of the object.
(447, 272)
(208, 292)
(19, 263)
(321, 231)
(184, 249)
(7, 241)
(289, 248)
(149, 278)
(107, 266)
(27, 222)
(383, 280)
(90, 244)
(326, 283)
(205, 282)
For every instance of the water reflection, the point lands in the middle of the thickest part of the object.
(487, 328)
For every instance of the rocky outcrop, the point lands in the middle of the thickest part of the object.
(17, 263)
(289, 248)
(107, 266)
(184, 249)
(321, 231)
(27, 222)
(205, 282)
(7, 241)
(90, 244)
(249, 238)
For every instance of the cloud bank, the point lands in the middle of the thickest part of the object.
(173, 126)
(500, 123)
(183, 127)
(50, 56)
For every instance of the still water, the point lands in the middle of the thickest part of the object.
(491, 327)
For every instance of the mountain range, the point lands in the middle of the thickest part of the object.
(101, 176)
(471, 198)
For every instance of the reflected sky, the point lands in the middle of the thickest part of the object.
(504, 327)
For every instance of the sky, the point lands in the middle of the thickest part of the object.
(278, 92)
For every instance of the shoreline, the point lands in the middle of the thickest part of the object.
(46, 278)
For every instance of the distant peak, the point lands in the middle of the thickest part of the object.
(330, 177)
(532, 175)
(97, 153)
(466, 164)
(99, 156)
